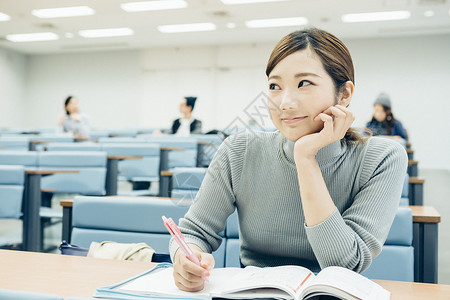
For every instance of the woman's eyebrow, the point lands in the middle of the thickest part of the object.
(303, 74)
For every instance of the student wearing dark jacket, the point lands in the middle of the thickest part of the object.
(186, 125)
(383, 121)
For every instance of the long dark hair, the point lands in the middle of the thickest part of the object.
(334, 55)
(388, 121)
(67, 103)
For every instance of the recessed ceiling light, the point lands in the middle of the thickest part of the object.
(153, 5)
(108, 32)
(232, 2)
(187, 27)
(280, 22)
(4, 17)
(32, 37)
(68, 35)
(428, 13)
(63, 12)
(376, 16)
(231, 25)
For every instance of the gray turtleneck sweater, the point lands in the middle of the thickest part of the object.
(255, 172)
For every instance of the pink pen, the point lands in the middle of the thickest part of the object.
(176, 233)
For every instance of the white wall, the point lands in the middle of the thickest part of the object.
(144, 87)
(107, 84)
(12, 88)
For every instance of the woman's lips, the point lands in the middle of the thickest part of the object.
(292, 120)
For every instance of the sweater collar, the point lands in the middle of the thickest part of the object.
(325, 155)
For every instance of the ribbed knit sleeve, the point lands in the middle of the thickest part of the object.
(215, 200)
(353, 238)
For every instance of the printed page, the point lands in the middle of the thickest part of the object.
(346, 282)
(290, 279)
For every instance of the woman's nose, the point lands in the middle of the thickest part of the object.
(288, 101)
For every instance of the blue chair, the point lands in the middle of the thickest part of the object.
(28, 159)
(91, 166)
(14, 143)
(11, 195)
(396, 260)
(404, 201)
(85, 146)
(21, 295)
(208, 144)
(128, 220)
(186, 182)
(145, 170)
(185, 158)
(233, 247)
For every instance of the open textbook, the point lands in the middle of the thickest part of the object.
(285, 282)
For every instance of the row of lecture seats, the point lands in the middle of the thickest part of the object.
(138, 219)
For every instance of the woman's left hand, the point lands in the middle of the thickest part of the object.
(337, 120)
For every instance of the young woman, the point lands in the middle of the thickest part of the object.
(383, 121)
(73, 121)
(314, 193)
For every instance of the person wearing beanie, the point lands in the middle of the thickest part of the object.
(186, 125)
(383, 121)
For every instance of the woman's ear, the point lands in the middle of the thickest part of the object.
(347, 94)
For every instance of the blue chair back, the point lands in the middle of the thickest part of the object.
(11, 191)
(85, 146)
(14, 143)
(404, 201)
(186, 182)
(396, 260)
(145, 169)
(91, 166)
(128, 220)
(28, 159)
(207, 152)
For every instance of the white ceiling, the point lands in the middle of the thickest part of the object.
(324, 14)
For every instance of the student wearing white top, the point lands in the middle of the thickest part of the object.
(186, 125)
(74, 121)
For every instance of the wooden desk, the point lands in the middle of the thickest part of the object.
(74, 276)
(32, 200)
(413, 168)
(425, 243)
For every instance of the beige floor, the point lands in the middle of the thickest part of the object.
(436, 193)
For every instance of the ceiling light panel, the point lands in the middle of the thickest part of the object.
(4, 17)
(376, 16)
(153, 5)
(233, 2)
(32, 37)
(280, 22)
(107, 32)
(63, 12)
(187, 27)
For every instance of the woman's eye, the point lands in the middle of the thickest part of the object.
(273, 86)
(304, 83)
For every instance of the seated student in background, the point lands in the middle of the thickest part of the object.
(383, 121)
(314, 193)
(74, 121)
(187, 125)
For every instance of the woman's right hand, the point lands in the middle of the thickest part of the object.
(188, 276)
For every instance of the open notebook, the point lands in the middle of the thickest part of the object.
(285, 282)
